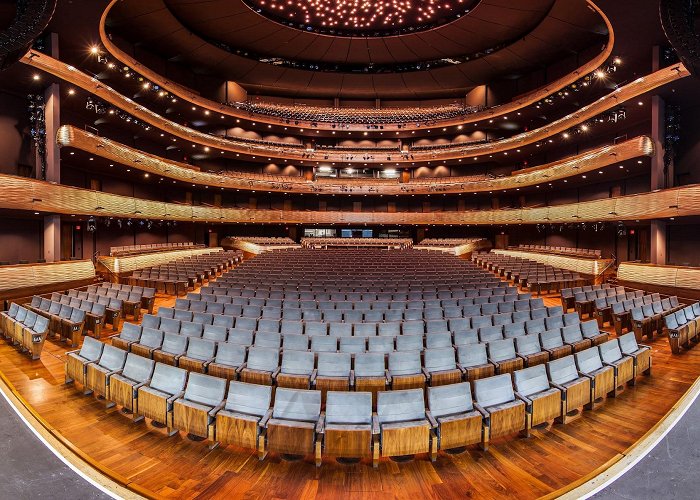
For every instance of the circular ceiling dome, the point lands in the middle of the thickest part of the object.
(362, 17)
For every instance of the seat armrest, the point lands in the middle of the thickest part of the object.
(352, 378)
(276, 372)
(375, 424)
(240, 368)
(388, 376)
(266, 417)
(115, 372)
(561, 388)
(77, 351)
(483, 412)
(321, 424)
(208, 362)
(431, 419)
(425, 372)
(216, 409)
(141, 384)
(172, 399)
(525, 399)
(312, 377)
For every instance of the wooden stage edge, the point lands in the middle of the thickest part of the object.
(124, 488)
(108, 479)
(618, 465)
(138, 461)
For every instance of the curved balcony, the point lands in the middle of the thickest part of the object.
(33, 195)
(70, 136)
(297, 152)
(321, 123)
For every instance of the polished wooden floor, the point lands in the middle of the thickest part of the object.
(513, 467)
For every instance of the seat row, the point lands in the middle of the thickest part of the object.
(25, 329)
(130, 302)
(245, 414)
(234, 289)
(171, 320)
(303, 361)
(567, 294)
(360, 305)
(388, 312)
(621, 313)
(602, 306)
(148, 295)
(681, 326)
(584, 302)
(66, 321)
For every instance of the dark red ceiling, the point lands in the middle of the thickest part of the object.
(537, 33)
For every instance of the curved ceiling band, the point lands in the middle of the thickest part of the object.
(589, 161)
(495, 112)
(21, 193)
(282, 151)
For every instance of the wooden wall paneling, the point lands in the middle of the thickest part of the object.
(69, 135)
(634, 89)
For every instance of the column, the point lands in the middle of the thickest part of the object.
(658, 242)
(52, 238)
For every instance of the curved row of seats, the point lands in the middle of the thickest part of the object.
(388, 312)
(148, 295)
(567, 294)
(26, 329)
(457, 415)
(413, 360)
(682, 326)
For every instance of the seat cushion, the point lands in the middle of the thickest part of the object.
(239, 416)
(458, 416)
(404, 425)
(292, 423)
(543, 394)
(503, 406)
(349, 427)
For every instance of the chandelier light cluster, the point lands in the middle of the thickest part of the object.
(372, 16)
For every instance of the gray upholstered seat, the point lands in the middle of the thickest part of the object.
(464, 337)
(229, 355)
(204, 390)
(76, 364)
(334, 364)
(513, 330)
(529, 347)
(268, 339)
(365, 330)
(404, 363)
(112, 359)
(394, 407)
(263, 359)
(174, 344)
(340, 329)
(370, 364)
(611, 355)
(295, 342)
(248, 399)
(240, 336)
(353, 344)
(501, 350)
(324, 343)
(348, 408)
(381, 344)
(215, 333)
(389, 329)
(452, 414)
(440, 360)
(494, 391)
(438, 340)
(296, 405)
(167, 381)
(196, 410)
(316, 328)
(297, 363)
(288, 326)
(409, 343)
(472, 355)
(490, 333)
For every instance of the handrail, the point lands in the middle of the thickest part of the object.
(22, 193)
(589, 161)
(522, 101)
(235, 145)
